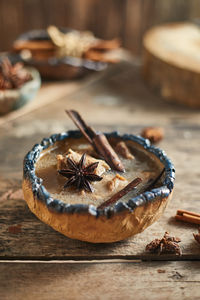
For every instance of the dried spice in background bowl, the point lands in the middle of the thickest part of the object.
(12, 76)
(84, 185)
(18, 85)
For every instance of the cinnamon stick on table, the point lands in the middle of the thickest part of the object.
(98, 140)
(129, 187)
(187, 216)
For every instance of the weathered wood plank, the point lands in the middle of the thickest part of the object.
(54, 91)
(45, 96)
(107, 18)
(36, 240)
(154, 280)
(133, 25)
(132, 106)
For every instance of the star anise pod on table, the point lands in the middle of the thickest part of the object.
(197, 236)
(79, 175)
(167, 244)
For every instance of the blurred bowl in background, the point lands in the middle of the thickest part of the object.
(36, 49)
(12, 99)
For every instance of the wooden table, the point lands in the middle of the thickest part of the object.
(39, 263)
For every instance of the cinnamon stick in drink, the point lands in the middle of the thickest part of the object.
(98, 140)
(129, 187)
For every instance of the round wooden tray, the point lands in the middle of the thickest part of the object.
(171, 62)
(87, 222)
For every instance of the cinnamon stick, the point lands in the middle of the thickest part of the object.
(98, 140)
(187, 216)
(104, 148)
(33, 45)
(100, 56)
(104, 45)
(87, 131)
(129, 187)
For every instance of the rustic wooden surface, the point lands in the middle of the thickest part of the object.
(45, 267)
(141, 280)
(127, 19)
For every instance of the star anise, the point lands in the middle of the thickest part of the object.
(79, 175)
(167, 244)
(197, 236)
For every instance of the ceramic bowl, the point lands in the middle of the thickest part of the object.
(58, 68)
(87, 222)
(16, 98)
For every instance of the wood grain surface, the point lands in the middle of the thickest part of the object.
(117, 100)
(126, 19)
(149, 280)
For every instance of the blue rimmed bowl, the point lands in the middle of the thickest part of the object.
(87, 222)
(15, 98)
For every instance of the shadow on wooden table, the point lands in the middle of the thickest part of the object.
(24, 236)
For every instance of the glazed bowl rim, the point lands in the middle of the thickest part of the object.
(59, 206)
